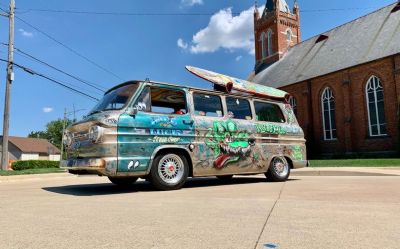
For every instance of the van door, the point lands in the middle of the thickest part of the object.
(162, 119)
(224, 142)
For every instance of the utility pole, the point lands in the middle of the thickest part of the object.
(9, 80)
(73, 106)
(63, 130)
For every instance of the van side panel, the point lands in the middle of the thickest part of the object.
(226, 146)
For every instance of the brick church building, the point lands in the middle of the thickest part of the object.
(345, 83)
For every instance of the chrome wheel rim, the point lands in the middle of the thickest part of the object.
(280, 166)
(171, 169)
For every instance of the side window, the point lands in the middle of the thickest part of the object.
(207, 105)
(162, 100)
(269, 112)
(238, 108)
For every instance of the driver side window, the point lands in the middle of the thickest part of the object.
(162, 100)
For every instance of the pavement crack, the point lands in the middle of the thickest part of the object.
(269, 215)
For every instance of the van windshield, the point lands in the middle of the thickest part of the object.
(116, 99)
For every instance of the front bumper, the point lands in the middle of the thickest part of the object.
(90, 164)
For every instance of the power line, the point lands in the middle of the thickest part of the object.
(69, 48)
(170, 13)
(95, 86)
(73, 85)
(30, 71)
(118, 13)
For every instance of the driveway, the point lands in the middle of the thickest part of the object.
(305, 212)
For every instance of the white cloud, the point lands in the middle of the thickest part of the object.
(25, 33)
(225, 31)
(238, 58)
(192, 2)
(182, 44)
(48, 109)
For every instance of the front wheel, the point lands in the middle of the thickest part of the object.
(123, 181)
(169, 171)
(279, 170)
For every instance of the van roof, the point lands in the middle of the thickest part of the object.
(240, 94)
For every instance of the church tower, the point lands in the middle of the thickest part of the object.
(276, 30)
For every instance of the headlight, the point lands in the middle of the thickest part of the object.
(67, 139)
(96, 133)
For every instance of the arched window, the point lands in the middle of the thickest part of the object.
(376, 108)
(263, 39)
(269, 42)
(328, 114)
(293, 104)
(289, 35)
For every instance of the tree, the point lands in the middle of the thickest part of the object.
(53, 132)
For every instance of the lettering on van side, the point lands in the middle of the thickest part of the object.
(166, 132)
(157, 139)
(164, 122)
(277, 129)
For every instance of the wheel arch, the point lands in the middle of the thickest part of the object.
(290, 161)
(176, 150)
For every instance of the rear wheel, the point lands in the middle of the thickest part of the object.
(123, 181)
(279, 170)
(169, 171)
(225, 178)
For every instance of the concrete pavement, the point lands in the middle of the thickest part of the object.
(305, 212)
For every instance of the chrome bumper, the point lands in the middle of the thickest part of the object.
(84, 164)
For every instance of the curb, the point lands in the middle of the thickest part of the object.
(347, 171)
(32, 177)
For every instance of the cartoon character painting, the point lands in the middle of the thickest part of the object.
(228, 143)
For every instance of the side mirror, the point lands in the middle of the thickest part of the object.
(132, 111)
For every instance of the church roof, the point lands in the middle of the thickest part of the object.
(368, 38)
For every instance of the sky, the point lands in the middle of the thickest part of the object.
(132, 47)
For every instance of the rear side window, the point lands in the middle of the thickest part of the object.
(207, 105)
(269, 112)
(238, 108)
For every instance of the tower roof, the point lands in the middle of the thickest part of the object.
(282, 5)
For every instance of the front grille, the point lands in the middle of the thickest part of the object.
(80, 136)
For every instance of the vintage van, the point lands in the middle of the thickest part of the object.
(166, 133)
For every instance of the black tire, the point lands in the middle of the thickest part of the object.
(279, 170)
(226, 178)
(166, 179)
(123, 181)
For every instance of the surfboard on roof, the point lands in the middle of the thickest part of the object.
(231, 83)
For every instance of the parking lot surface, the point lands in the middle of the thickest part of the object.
(305, 212)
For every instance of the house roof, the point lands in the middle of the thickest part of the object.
(368, 38)
(33, 145)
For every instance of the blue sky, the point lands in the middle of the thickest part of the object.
(138, 47)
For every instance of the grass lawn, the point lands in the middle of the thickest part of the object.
(356, 163)
(31, 171)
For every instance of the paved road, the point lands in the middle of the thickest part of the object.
(305, 212)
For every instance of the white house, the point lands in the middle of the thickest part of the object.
(22, 148)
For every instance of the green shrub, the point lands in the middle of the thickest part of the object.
(34, 164)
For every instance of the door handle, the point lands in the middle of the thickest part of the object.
(188, 122)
